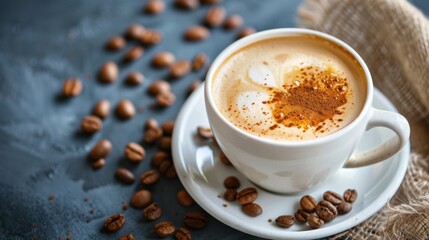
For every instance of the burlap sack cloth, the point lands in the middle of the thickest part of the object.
(392, 37)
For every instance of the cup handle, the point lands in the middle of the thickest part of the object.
(380, 118)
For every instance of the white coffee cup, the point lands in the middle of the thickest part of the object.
(289, 167)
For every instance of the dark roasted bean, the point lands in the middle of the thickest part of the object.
(115, 43)
(108, 72)
(231, 182)
(150, 177)
(183, 234)
(308, 203)
(134, 152)
(101, 109)
(141, 199)
(164, 229)
(114, 222)
(152, 212)
(314, 222)
(332, 197)
(247, 195)
(301, 215)
(230, 195)
(72, 87)
(125, 176)
(350, 195)
(195, 219)
(91, 124)
(125, 109)
(285, 221)
(326, 210)
(100, 149)
(344, 207)
(252, 209)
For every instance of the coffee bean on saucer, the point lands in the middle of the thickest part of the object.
(301, 215)
(308, 203)
(124, 176)
(150, 177)
(163, 59)
(98, 164)
(101, 109)
(332, 197)
(159, 86)
(183, 234)
(115, 43)
(133, 54)
(125, 109)
(127, 236)
(152, 212)
(247, 195)
(195, 219)
(350, 195)
(199, 61)
(224, 159)
(152, 134)
(114, 222)
(150, 37)
(215, 16)
(165, 99)
(165, 143)
(134, 78)
(167, 127)
(134, 31)
(141, 199)
(315, 222)
(344, 207)
(326, 210)
(184, 198)
(134, 152)
(159, 157)
(196, 33)
(91, 124)
(100, 149)
(154, 7)
(108, 72)
(252, 209)
(164, 229)
(285, 221)
(205, 132)
(245, 32)
(186, 4)
(180, 68)
(194, 85)
(72, 87)
(231, 182)
(233, 22)
(151, 123)
(230, 195)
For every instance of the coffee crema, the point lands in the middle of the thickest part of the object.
(290, 88)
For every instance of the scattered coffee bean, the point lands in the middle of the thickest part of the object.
(114, 222)
(133, 54)
(134, 31)
(154, 7)
(197, 33)
(308, 203)
(230, 195)
(91, 124)
(134, 78)
(115, 43)
(98, 164)
(233, 22)
(168, 170)
(195, 219)
(150, 37)
(183, 234)
(332, 197)
(159, 86)
(141, 199)
(125, 109)
(164, 229)
(205, 132)
(186, 4)
(165, 99)
(215, 16)
(252, 209)
(224, 159)
(326, 210)
(127, 236)
(151, 135)
(184, 198)
(163, 59)
(194, 85)
(159, 157)
(134, 152)
(167, 127)
(151, 123)
(315, 222)
(72, 87)
(350, 195)
(125, 176)
(344, 207)
(100, 150)
(152, 212)
(180, 68)
(165, 143)
(285, 221)
(301, 215)
(245, 32)
(247, 195)
(199, 61)
(231, 182)
(209, 2)
(101, 109)
(108, 72)
(150, 177)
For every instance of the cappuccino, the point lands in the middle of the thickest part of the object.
(293, 88)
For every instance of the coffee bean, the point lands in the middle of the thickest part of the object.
(159, 157)
(315, 222)
(332, 197)
(186, 4)
(154, 7)
(134, 78)
(230, 195)
(231, 182)
(209, 2)
(224, 159)
(98, 164)
(350, 195)
(134, 31)
(301, 215)
(159, 86)
(196, 33)
(183, 234)
(115, 43)
(285, 221)
(72, 87)
(195, 219)
(245, 32)
(125, 109)
(205, 132)
(164, 229)
(151, 123)
(134, 152)
(152, 212)
(150, 37)
(165, 143)
(127, 236)
(125, 176)
(252, 209)
(151, 135)
(233, 22)
(308, 203)
(194, 85)
(344, 207)
(163, 59)
(247, 195)
(326, 211)
(167, 127)
(141, 199)
(199, 61)
(180, 68)
(215, 16)
(150, 177)
(184, 198)
(100, 149)
(133, 54)
(101, 109)
(114, 222)
(91, 124)
(165, 99)
(108, 72)
(167, 169)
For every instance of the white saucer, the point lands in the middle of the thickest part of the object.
(202, 174)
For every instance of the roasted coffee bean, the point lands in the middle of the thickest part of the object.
(344, 207)
(134, 78)
(72, 87)
(199, 61)
(151, 123)
(150, 177)
(152, 212)
(125, 109)
(332, 197)
(315, 222)
(150, 37)
(180, 68)
(141, 199)
(91, 124)
(224, 159)
(101, 109)
(127, 236)
(133, 54)
(183, 234)
(231, 182)
(159, 157)
(114, 222)
(209, 2)
(215, 16)
(115, 43)
(167, 127)
(230, 195)
(167, 169)
(154, 7)
(252, 209)
(98, 164)
(285, 221)
(245, 32)
(134, 31)
(233, 22)
(186, 4)
(247, 195)
(125, 176)
(163, 59)
(165, 143)
(350, 195)
(134, 152)
(165, 99)
(100, 150)
(159, 86)
(164, 229)
(151, 135)
(326, 210)
(108, 72)
(301, 215)
(184, 198)
(197, 33)
(194, 85)
(195, 219)
(205, 132)
(308, 203)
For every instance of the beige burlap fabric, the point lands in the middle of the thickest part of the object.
(392, 36)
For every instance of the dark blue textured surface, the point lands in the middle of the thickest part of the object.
(41, 150)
